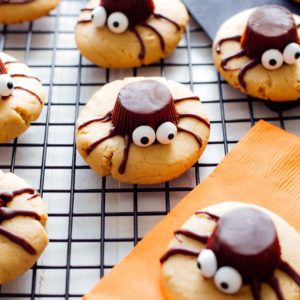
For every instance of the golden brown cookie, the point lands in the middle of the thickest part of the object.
(21, 97)
(18, 11)
(22, 220)
(125, 34)
(233, 251)
(142, 130)
(257, 52)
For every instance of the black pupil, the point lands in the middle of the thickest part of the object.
(272, 62)
(144, 140)
(297, 55)
(224, 285)
(116, 24)
(199, 265)
(171, 136)
(10, 85)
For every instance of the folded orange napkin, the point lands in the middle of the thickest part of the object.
(263, 168)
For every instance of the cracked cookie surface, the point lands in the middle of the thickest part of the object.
(24, 105)
(153, 164)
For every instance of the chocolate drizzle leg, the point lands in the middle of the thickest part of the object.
(186, 98)
(125, 156)
(203, 238)
(256, 290)
(286, 268)
(161, 39)
(6, 214)
(197, 138)
(104, 119)
(227, 59)
(195, 117)
(251, 64)
(274, 284)
(236, 38)
(143, 49)
(179, 250)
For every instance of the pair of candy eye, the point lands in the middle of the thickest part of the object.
(227, 279)
(6, 85)
(273, 59)
(117, 22)
(144, 136)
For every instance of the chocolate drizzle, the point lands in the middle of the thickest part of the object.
(208, 214)
(6, 214)
(236, 38)
(203, 238)
(229, 58)
(30, 92)
(249, 65)
(186, 98)
(161, 39)
(179, 250)
(245, 239)
(146, 102)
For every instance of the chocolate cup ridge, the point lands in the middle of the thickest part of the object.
(146, 102)
(269, 27)
(137, 11)
(246, 239)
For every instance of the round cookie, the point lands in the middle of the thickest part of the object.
(18, 11)
(147, 31)
(21, 97)
(240, 247)
(142, 130)
(22, 226)
(257, 51)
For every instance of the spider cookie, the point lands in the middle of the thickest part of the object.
(21, 97)
(18, 11)
(257, 51)
(22, 220)
(125, 34)
(142, 130)
(233, 251)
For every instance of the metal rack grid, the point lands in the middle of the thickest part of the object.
(94, 222)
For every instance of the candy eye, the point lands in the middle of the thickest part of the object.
(291, 53)
(117, 22)
(166, 133)
(143, 136)
(6, 85)
(207, 263)
(272, 59)
(99, 16)
(228, 280)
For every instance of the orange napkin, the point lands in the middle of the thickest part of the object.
(263, 168)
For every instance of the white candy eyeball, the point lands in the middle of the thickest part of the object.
(166, 133)
(99, 16)
(6, 85)
(207, 263)
(291, 53)
(143, 136)
(117, 22)
(272, 59)
(228, 280)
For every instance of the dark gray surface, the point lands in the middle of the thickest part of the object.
(210, 14)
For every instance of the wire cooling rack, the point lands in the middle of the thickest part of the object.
(94, 222)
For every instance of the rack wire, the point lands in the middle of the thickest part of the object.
(94, 222)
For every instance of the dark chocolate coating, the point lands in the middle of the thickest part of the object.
(137, 11)
(269, 27)
(246, 240)
(15, 1)
(146, 102)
